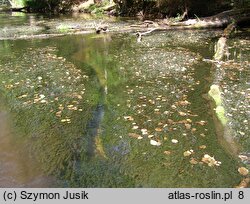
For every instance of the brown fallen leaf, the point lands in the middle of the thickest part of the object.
(134, 135)
(193, 161)
(170, 121)
(244, 183)
(188, 126)
(158, 129)
(193, 130)
(183, 103)
(59, 113)
(202, 122)
(182, 122)
(167, 152)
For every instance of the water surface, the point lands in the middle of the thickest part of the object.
(85, 111)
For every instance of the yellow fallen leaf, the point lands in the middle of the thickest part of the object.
(187, 153)
(243, 171)
(182, 114)
(155, 143)
(22, 96)
(167, 152)
(203, 147)
(129, 118)
(188, 126)
(135, 127)
(174, 141)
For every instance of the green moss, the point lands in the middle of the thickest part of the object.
(220, 112)
(215, 93)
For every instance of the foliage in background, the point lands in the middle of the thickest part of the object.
(172, 7)
(55, 6)
(145, 8)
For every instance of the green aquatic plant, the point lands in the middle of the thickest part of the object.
(63, 28)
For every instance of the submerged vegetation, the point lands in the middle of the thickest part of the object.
(107, 110)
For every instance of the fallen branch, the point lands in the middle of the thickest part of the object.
(139, 34)
(220, 20)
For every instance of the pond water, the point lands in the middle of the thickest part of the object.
(105, 111)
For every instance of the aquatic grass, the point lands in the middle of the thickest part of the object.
(158, 88)
(152, 87)
(63, 28)
(48, 107)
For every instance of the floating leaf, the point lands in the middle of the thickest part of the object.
(65, 120)
(193, 161)
(170, 121)
(158, 129)
(144, 131)
(59, 113)
(183, 103)
(203, 147)
(210, 160)
(187, 153)
(134, 135)
(167, 152)
(173, 106)
(135, 127)
(203, 135)
(22, 96)
(174, 141)
(202, 122)
(129, 118)
(188, 126)
(182, 113)
(244, 183)
(44, 101)
(193, 130)
(155, 143)
(243, 171)
(42, 96)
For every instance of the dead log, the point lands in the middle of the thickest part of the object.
(220, 20)
(23, 9)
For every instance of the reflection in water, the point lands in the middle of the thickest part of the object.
(94, 51)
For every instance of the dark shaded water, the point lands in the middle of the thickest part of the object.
(104, 111)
